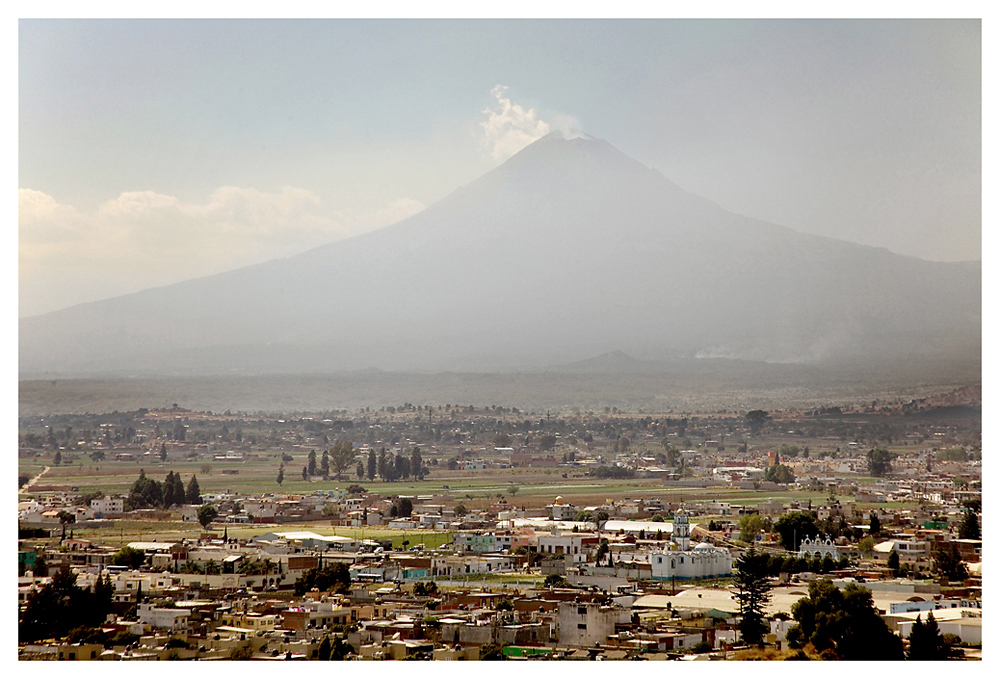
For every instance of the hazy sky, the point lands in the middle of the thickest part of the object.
(158, 150)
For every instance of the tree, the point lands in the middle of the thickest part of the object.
(129, 557)
(460, 510)
(57, 459)
(281, 474)
(341, 456)
(501, 441)
(949, 562)
(756, 419)
(404, 507)
(97, 456)
(416, 462)
(401, 467)
(163, 452)
(335, 576)
(145, 492)
(893, 563)
(794, 527)
(207, 514)
(21, 480)
(874, 526)
(554, 580)
(975, 504)
(324, 464)
(168, 491)
(752, 594)
(372, 464)
(341, 649)
(844, 624)
(879, 461)
(361, 471)
(602, 549)
(491, 651)
(324, 649)
(547, 442)
(61, 606)
(600, 516)
(969, 530)
(779, 473)
(64, 518)
(193, 492)
(383, 464)
(305, 473)
(926, 641)
(751, 525)
(312, 463)
(867, 545)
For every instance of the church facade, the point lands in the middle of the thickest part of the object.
(684, 563)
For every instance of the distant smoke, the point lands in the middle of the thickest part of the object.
(509, 128)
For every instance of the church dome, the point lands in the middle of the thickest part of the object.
(703, 546)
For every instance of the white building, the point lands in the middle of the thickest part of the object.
(107, 505)
(173, 619)
(818, 548)
(574, 545)
(680, 562)
(587, 624)
(560, 511)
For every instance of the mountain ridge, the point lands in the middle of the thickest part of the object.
(568, 250)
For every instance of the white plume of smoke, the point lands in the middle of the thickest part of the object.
(509, 127)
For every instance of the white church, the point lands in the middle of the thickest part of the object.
(683, 563)
(817, 548)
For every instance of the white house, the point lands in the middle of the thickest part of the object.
(173, 619)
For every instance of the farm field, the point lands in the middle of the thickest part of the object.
(529, 488)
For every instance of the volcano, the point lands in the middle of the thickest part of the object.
(567, 251)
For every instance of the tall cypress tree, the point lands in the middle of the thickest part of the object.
(753, 594)
(168, 491)
(926, 641)
(383, 464)
(324, 649)
(969, 530)
(180, 495)
(893, 563)
(193, 493)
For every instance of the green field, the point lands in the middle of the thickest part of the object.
(476, 488)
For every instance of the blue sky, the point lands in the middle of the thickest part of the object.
(153, 151)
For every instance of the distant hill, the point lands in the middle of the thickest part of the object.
(568, 251)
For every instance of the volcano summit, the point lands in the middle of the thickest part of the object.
(567, 251)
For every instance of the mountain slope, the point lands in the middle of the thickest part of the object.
(568, 250)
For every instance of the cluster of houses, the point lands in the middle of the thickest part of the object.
(626, 605)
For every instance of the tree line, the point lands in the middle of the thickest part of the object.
(148, 493)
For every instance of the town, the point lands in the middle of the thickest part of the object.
(463, 532)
